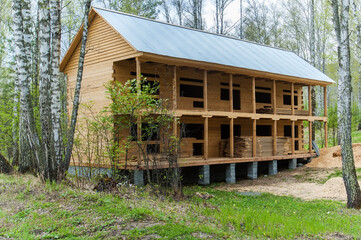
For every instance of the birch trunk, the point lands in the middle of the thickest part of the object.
(15, 122)
(356, 10)
(55, 86)
(312, 58)
(46, 165)
(76, 100)
(344, 103)
(22, 38)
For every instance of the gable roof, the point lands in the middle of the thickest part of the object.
(150, 36)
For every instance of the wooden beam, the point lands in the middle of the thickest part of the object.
(293, 137)
(274, 97)
(325, 100)
(326, 134)
(253, 94)
(310, 136)
(309, 101)
(231, 92)
(205, 153)
(205, 90)
(231, 138)
(254, 143)
(174, 88)
(175, 127)
(138, 73)
(292, 99)
(274, 137)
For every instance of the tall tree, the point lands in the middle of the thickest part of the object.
(341, 23)
(312, 60)
(221, 6)
(195, 14)
(255, 22)
(179, 6)
(145, 8)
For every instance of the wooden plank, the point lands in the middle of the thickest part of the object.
(231, 92)
(310, 136)
(325, 100)
(175, 127)
(205, 90)
(174, 88)
(274, 97)
(138, 73)
(309, 101)
(293, 137)
(292, 99)
(326, 134)
(274, 137)
(254, 152)
(253, 94)
(205, 138)
(231, 138)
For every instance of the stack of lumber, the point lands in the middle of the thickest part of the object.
(264, 147)
(187, 147)
(265, 110)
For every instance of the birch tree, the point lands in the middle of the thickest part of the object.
(312, 60)
(195, 14)
(179, 6)
(341, 24)
(221, 6)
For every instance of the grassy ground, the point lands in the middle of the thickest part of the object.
(33, 210)
(356, 137)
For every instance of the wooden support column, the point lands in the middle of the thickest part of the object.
(293, 138)
(309, 102)
(253, 94)
(175, 127)
(205, 90)
(174, 88)
(326, 134)
(205, 145)
(292, 99)
(138, 72)
(274, 97)
(310, 136)
(274, 137)
(231, 138)
(230, 92)
(254, 140)
(325, 101)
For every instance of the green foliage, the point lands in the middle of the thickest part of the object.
(144, 8)
(6, 117)
(67, 213)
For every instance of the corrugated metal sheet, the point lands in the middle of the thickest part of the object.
(150, 36)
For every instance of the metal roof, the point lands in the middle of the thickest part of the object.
(150, 36)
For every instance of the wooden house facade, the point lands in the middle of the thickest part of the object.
(241, 101)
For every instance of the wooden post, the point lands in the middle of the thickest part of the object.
(205, 138)
(309, 102)
(174, 88)
(293, 137)
(310, 136)
(138, 72)
(325, 100)
(274, 137)
(253, 94)
(231, 138)
(254, 143)
(205, 90)
(274, 98)
(326, 134)
(175, 127)
(292, 99)
(231, 92)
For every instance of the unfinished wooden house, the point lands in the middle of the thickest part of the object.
(241, 102)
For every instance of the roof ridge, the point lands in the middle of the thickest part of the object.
(194, 29)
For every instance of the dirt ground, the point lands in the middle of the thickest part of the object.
(307, 182)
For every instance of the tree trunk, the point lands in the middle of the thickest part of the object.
(22, 39)
(5, 166)
(76, 100)
(344, 103)
(56, 112)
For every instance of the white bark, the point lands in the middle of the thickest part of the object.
(344, 103)
(55, 84)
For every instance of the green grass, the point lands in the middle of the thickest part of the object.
(356, 137)
(33, 210)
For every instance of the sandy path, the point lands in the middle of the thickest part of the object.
(304, 182)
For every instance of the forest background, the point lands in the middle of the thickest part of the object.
(302, 26)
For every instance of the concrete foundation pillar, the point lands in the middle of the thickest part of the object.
(272, 167)
(252, 170)
(309, 159)
(139, 177)
(292, 163)
(204, 175)
(231, 173)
